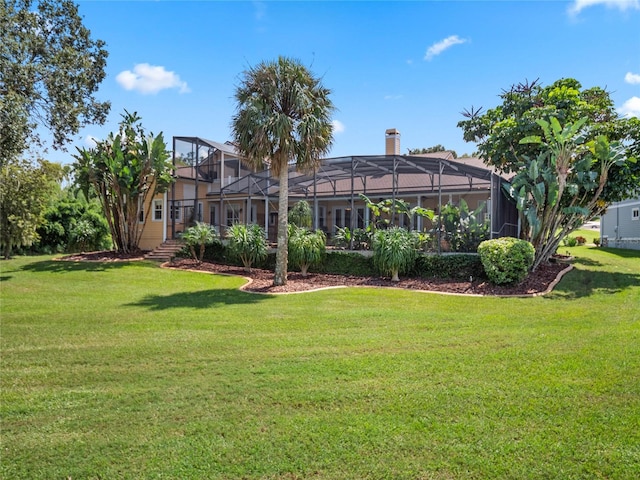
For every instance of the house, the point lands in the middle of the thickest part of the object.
(215, 186)
(620, 225)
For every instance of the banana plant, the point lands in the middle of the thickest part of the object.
(560, 189)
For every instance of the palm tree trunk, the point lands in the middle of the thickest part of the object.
(280, 277)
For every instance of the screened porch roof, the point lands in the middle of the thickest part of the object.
(371, 173)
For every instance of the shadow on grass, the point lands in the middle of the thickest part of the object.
(587, 262)
(621, 252)
(201, 299)
(5, 278)
(60, 266)
(583, 283)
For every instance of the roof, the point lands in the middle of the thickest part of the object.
(372, 174)
(223, 147)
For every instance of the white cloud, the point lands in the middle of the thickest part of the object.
(90, 141)
(631, 108)
(439, 47)
(632, 78)
(148, 79)
(578, 5)
(393, 97)
(259, 10)
(338, 126)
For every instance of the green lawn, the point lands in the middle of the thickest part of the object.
(116, 371)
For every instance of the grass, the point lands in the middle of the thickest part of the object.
(131, 371)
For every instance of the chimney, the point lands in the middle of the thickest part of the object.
(392, 142)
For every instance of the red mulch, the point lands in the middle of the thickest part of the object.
(262, 280)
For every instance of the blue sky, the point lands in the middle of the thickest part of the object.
(408, 65)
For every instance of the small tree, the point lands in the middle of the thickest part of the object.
(394, 251)
(561, 189)
(25, 190)
(199, 235)
(247, 243)
(300, 215)
(306, 247)
(125, 171)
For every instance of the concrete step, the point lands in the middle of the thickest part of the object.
(165, 252)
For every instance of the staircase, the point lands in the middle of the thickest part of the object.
(165, 252)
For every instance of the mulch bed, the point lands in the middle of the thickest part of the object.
(262, 280)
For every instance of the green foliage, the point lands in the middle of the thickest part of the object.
(306, 248)
(283, 116)
(25, 190)
(346, 263)
(460, 266)
(499, 131)
(125, 171)
(247, 243)
(435, 148)
(461, 230)
(358, 239)
(394, 251)
(300, 215)
(570, 241)
(199, 235)
(506, 260)
(383, 212)
(50, 69)
(562, 188)
(71, 223)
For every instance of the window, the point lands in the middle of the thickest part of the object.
(322, 217)
(212, 214)
(635, 213)
(361, 219)
(157, 210)
(233, 215)
(175, 211)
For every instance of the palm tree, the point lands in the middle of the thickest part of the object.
(283, 116)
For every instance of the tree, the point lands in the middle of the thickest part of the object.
(283, 116)
(72, 223)
(562, 188)
(498, 131)
(306, 247)
(125, 171)
(50, 68)
(435, 148)
(394, 251)
(571, 153)
(247, 243)
(199, 235)
(300, 215)
(25, 190)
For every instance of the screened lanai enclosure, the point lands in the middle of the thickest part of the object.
(213, 185)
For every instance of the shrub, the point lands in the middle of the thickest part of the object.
(596, 241)
(462, 266)
(506, 260)
(394, 251)
(305, 247)
(570, 241)
(200, 235)
(247, 243)
(581, 240)
(345, 263)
